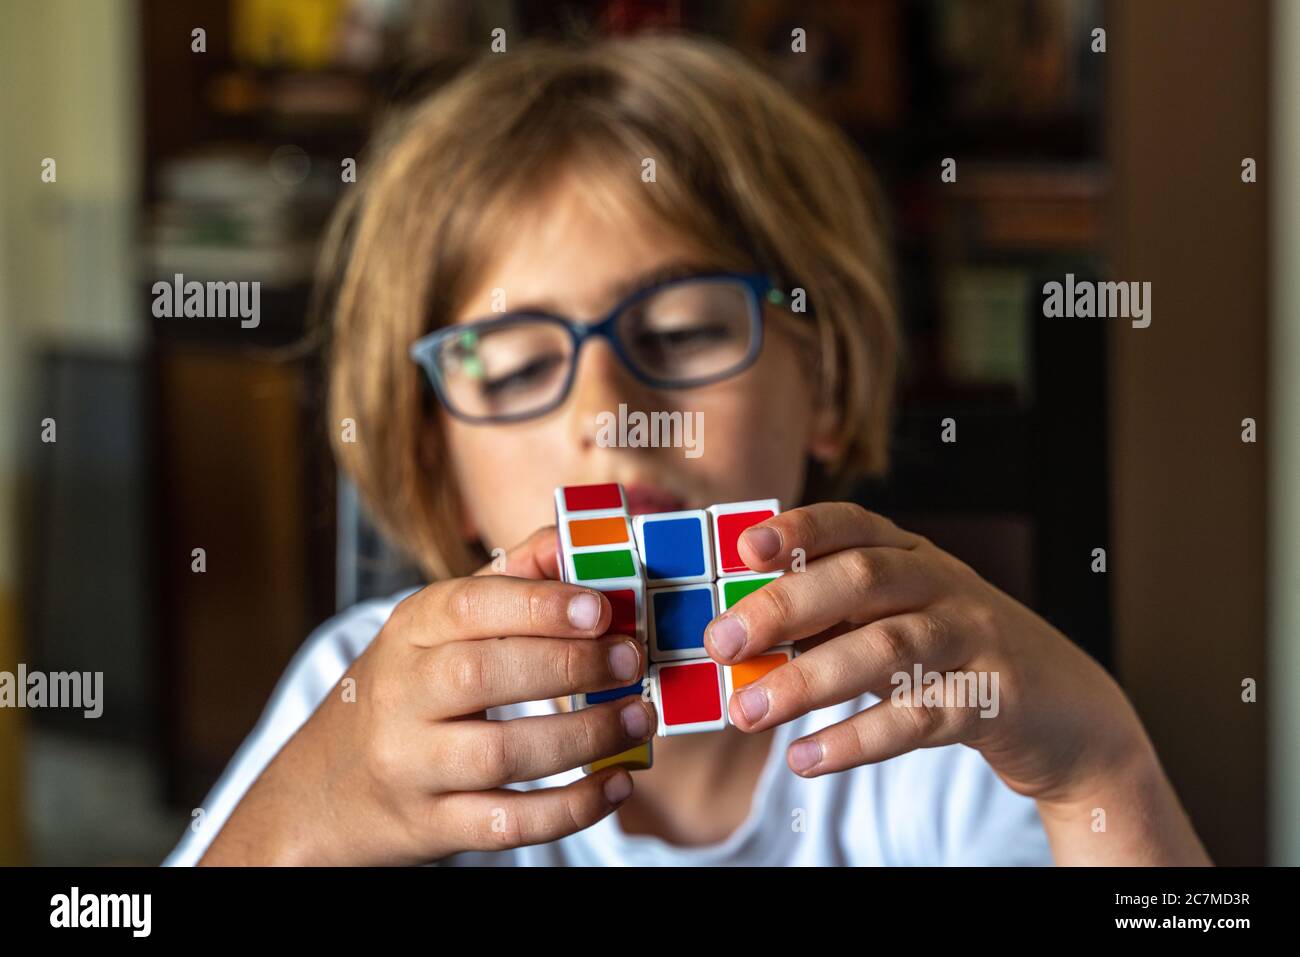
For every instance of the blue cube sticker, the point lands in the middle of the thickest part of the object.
(613, 694)
(674, 548)
(681, 617)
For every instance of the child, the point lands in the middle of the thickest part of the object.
(667, 184)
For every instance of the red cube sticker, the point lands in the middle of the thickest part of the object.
(690, 693)
(729, 528)
(582, 498)
(622, 603)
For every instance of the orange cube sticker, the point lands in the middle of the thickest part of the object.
(597, 531)
(747, 672)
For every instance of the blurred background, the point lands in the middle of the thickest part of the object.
(1073, 434)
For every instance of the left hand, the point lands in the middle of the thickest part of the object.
(881, 600)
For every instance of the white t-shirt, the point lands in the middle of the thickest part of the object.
(938, 806)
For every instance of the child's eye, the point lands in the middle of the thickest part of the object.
(528, 376)
(684, 339)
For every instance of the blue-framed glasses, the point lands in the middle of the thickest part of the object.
(677, 334)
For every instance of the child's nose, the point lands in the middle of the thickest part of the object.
(601, 382)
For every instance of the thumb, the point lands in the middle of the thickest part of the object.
(534, 557)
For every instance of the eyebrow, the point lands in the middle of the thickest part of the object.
(669, 271)
(618, 291)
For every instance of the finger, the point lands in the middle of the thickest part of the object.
(478, 755)
(883, 731)
(492, 606)
(496, 820)
(534, 557)
(856, 585)
(843, 668)
(819, 530)
(468, 676)
(804, 645)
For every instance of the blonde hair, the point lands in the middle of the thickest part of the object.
(741, 166)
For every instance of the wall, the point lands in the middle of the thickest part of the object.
(1284, 430)
(1188, 100)
(67, 91)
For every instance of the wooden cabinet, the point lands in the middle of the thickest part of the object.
(241, 475)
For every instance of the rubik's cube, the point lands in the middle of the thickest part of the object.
(666, 575)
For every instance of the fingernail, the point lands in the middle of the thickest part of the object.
(618, 787)
(763, 542)
(624, 662)
(753, 703)
(584, 611)
(728, 636)
(805, 755)
(635, 721)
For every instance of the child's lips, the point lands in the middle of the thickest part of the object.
(644, 499)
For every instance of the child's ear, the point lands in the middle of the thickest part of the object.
(826, 444)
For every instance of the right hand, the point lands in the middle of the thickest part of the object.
(411, 771)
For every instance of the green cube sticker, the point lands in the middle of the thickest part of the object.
(733, 591)
(589, 566)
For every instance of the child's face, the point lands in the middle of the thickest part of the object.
(757, 426)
